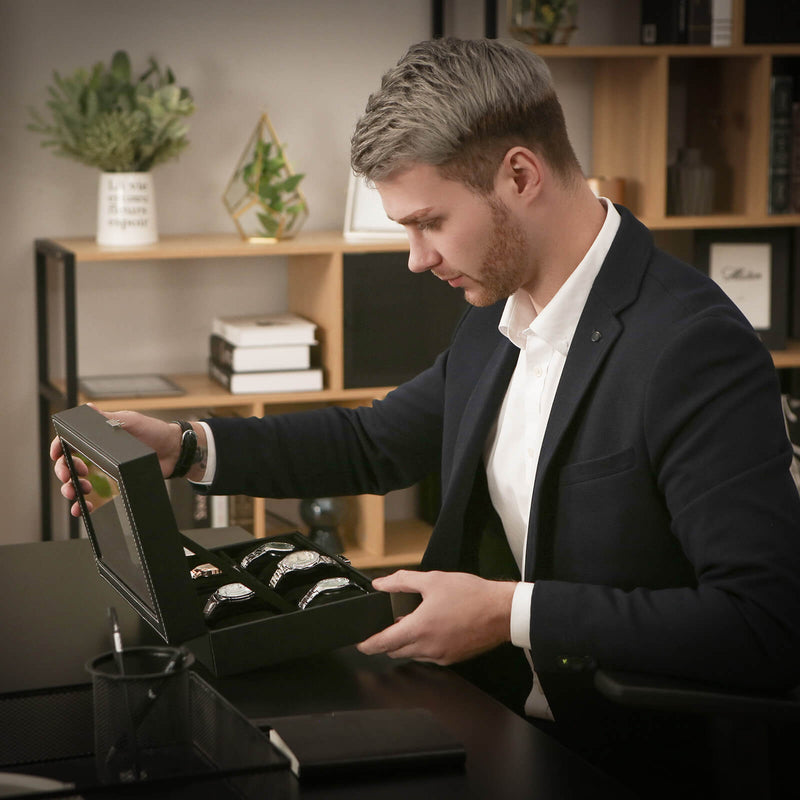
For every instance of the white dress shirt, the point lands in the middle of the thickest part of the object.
(512, 448)
(543, 341)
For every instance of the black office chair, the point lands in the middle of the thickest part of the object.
(755, 737)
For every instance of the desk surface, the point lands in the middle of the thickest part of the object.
(55, 619)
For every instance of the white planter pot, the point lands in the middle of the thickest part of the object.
(126, 209)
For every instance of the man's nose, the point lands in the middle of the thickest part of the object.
(421, 256)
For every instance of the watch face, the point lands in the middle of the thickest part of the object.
(303, 558)
(234, 591)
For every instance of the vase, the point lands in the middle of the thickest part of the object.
(690, 184)
(126, 209)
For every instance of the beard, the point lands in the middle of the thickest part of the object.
(504, 260)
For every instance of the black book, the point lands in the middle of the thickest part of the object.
(363, 742)
(780, 144)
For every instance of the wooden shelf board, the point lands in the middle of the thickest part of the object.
(669, 50)
(223, 245)
(722, 221)
(202, 391)
(788, 358)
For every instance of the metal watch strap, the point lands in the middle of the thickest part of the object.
(188, 449)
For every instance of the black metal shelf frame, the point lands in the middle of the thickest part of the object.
(50, 255)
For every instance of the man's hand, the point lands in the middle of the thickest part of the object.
(163, 437)
(460, 616)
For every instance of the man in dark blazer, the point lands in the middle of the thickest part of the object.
(623, 501)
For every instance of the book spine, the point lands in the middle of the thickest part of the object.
(795, 171)
(780, 144)
(221, 351)
(721, 23)
(221, 376)
(698, 26)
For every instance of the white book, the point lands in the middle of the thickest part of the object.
(259, 358)
(721, 23)
(294, 380)
(265, 329)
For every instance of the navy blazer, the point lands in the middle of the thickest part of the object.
(664, 531)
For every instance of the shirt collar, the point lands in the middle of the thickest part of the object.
(557, 321)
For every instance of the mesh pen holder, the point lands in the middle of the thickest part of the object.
(142, 714)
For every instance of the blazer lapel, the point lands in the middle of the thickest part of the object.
(616, 287)
(447, 544)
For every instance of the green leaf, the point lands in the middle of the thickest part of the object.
(121, 66)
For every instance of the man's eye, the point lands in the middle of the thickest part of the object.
(428, 225)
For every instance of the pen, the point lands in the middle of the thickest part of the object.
(116, 639)
(153, 693)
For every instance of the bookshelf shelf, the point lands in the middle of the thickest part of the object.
(315, 261)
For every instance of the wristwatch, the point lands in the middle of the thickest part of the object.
(296, 562)
(204, 571)
(229, 593)
(267, 548)
(188, 449)
(324, 586)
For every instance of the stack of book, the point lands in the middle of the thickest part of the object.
(258, 354)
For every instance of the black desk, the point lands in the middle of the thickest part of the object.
(54, 619)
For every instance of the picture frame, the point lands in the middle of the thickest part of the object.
(752, 267)
(364, 217)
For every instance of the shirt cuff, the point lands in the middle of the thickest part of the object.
(211, 458)
(521, 615)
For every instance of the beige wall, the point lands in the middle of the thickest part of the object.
(309, 63)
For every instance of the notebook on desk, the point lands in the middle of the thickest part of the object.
(363, 742)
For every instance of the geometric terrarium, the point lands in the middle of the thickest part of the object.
(263, 197)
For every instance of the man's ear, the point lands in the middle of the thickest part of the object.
(520, 175)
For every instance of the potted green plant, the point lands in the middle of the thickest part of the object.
(124, 126)
(263, 196)
(542, 21)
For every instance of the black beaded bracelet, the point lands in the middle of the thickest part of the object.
(188, 449)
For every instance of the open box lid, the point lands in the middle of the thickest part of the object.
(132, 528)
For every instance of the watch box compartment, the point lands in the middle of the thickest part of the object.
(140, 551)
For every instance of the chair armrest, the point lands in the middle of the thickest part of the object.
(662, 692)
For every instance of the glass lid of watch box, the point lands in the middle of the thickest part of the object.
(131, 526)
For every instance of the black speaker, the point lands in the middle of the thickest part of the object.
(395, 322)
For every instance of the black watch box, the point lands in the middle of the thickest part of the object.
(142, 554)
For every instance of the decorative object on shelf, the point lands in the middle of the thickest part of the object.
(263, 196)
(540, 22)
(323, 515)
(364, 217)
(752, 268)
(690, 184)
(124, 126)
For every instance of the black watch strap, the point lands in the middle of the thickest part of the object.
(188, 449)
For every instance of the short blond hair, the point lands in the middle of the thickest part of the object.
(460, 105)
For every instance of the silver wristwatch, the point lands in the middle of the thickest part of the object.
(326, 585)
(296, 562)
(229, 593)
(267, 548)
